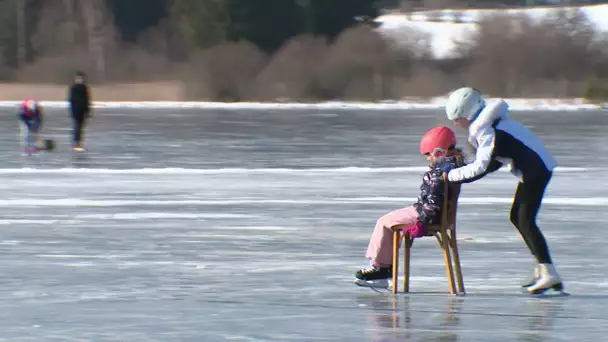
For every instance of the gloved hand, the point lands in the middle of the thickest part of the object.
(418, 230)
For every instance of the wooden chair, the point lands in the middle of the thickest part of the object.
(445, 232)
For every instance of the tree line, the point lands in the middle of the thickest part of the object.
(198, 23)
(233, 50)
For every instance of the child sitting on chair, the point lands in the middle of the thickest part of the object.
(439, 147)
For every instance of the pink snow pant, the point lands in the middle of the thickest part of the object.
(380, 249)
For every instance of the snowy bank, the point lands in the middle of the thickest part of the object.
(446, 27)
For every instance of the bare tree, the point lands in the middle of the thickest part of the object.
(100, 32)
(356, 65)
(225, 72)
(441, 4)
(69, 7)
(52, 36)
(21, 35)
(291, 70)
(407, 6)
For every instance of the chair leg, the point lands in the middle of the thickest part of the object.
(445, 245)
(406, 261)
(396, 241)
(457, 266)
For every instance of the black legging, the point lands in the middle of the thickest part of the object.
(79, 120)
(526, 204)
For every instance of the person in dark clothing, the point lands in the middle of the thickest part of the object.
(80, 107)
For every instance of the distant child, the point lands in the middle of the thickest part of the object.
(439, 147)
(30, 118)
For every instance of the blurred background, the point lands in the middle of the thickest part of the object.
(215, 222)
(303, 50)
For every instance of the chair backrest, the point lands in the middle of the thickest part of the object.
(450, 203)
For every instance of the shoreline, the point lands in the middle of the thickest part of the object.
(515, 104)
(170, 94)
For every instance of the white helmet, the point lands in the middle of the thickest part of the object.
(464, 103)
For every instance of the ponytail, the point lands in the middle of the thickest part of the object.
(458, 154)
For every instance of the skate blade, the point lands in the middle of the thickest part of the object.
(528, 284)
(557, 287)
(554, 291)
(372, 284)
(550, 294)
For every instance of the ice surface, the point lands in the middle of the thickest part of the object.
(240, 225)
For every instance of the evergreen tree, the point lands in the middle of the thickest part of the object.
(8, 34)
(132, 17)
(330, 17)
(203, 22)
(266, 23)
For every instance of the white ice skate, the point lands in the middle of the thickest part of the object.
(376, 283)
(533, 280)
(549, 279)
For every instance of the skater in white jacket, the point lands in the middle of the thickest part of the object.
(501, 141)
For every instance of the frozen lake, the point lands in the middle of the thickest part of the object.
(242, 225)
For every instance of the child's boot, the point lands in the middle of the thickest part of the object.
(29, 150)
(373, 277)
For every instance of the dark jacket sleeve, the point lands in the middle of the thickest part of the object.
(432, 202)
(87, 98)
(433, 199)
(79, 97)
(494, 165)
(71, 93)
(22, 117)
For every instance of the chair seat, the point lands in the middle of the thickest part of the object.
(430, 230)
